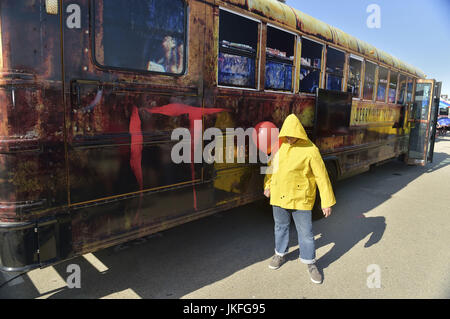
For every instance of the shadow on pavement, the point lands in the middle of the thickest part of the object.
(184, 259)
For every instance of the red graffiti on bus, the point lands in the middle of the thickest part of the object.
(174, 109)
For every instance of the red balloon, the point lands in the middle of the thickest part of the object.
(265, 138)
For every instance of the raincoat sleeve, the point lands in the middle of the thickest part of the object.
(267, 181)
(270, 171)
(268, 177)
(323, 181)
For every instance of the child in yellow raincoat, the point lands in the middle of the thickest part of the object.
(297, 169)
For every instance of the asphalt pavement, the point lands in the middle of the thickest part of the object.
(388, 237)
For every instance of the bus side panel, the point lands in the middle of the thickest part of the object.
(246, 110)
(32, 159)
(376, 135)
(33, 180)
(123, 182)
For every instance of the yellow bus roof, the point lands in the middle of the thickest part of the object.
(295, 19)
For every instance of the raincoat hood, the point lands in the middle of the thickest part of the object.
(292, 127)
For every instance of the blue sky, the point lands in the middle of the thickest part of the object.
(415, 31)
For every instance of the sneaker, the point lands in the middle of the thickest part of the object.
(276, 262)
(316, 277)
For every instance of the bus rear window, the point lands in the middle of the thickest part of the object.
(279, 59)
(26, 38)
(143, 35)
(238, 43)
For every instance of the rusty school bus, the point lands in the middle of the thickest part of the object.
(91, 91)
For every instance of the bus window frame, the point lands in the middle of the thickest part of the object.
(378, 84)
(258, 53)
(397, 87)
(410, 104)
(375, 81)
(324, 46)
(362, 74)
(294, 62)
(405, 75)
(343, 68)
(92, 29)
(413, 89)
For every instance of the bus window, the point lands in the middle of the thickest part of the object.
(393, 81)
(382, 84)
(409, 92)
(335, 69)
(354, 77)
(238, 42)
(402, 92)
(279, 59)
(146, 35)
(311, 63)
(369, 81)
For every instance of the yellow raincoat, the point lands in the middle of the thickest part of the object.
(297, 169)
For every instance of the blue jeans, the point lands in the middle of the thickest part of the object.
(303, 224)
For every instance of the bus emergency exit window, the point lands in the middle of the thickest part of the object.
(141, 35)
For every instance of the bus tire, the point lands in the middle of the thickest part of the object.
(332, 174)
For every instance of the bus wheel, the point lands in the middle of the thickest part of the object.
(332, 174)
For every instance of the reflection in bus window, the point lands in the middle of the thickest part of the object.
(369, 81)
(311, 63)
(393, 87)
(236, 70)
(172, 59)
(146, 35)
(402, 90)
(382, 84)
(279, 59)
(334, 69)
(354, 77)
(238, 42)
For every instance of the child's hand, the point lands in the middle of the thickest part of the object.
(326, 212)
(267, 193)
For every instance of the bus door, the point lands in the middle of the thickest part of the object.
(434, 117)
(423, 123)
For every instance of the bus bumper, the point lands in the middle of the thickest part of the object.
(29, 245)
(18, 247)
